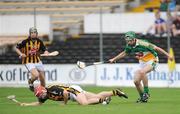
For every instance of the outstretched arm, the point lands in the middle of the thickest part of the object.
(119, 56)
(31, 104)
(163, 52)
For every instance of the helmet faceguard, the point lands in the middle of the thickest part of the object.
(40, 91)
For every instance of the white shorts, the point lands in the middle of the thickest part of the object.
(78, 88)
(154, 64)
(38, 66)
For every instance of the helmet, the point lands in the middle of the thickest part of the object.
(32, 29)
(130, 35)
(39, 91)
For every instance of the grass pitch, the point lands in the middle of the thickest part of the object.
(162, 101)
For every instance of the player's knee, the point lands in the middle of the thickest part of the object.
(141, 72)
(137, 72)
(136, 82)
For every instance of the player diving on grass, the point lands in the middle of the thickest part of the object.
(29, 51)
(73, 93)
(146, 53)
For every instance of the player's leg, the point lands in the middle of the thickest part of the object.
(158, 26)
(144, 95)
(156, 29)
(102, 96)
(42, 78)
(137, 82)
(151, 65)
(34, 76)
(145, 70)
(114, 92)
(105, 96)
(90, 95)
(82, 99)
(40, 68)
(164, 28)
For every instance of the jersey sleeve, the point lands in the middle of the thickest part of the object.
(21, 44)
(42, 46)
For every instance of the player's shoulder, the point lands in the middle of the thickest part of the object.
(145, 43)
(23, 41)
(39, 39)
(142, 41)
(57, 86)
(50, 86)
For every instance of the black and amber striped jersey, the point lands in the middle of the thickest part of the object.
(72, 90)
(31, 48)
(55, 92)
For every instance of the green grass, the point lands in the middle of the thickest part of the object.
(162, 101)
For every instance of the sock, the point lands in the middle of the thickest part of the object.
(146, 89)
(101, 100)
(30, 81)
(140, 94)
(114, 92)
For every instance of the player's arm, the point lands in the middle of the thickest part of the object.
(20, 53)
(160, 50)
(31, 104)
(43, 48)
(66, 96)
(119, 56)
(18, 47)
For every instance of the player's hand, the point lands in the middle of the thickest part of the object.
(171, 58)
(22, 55)
(111, 60)
(22, 104)
(46, 52)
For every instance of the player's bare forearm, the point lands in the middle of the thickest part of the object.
(18, 52)
(31, 104)
(119, 56)
(160, 50)
(65, 98)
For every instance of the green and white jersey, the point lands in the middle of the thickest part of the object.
(142, 50)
